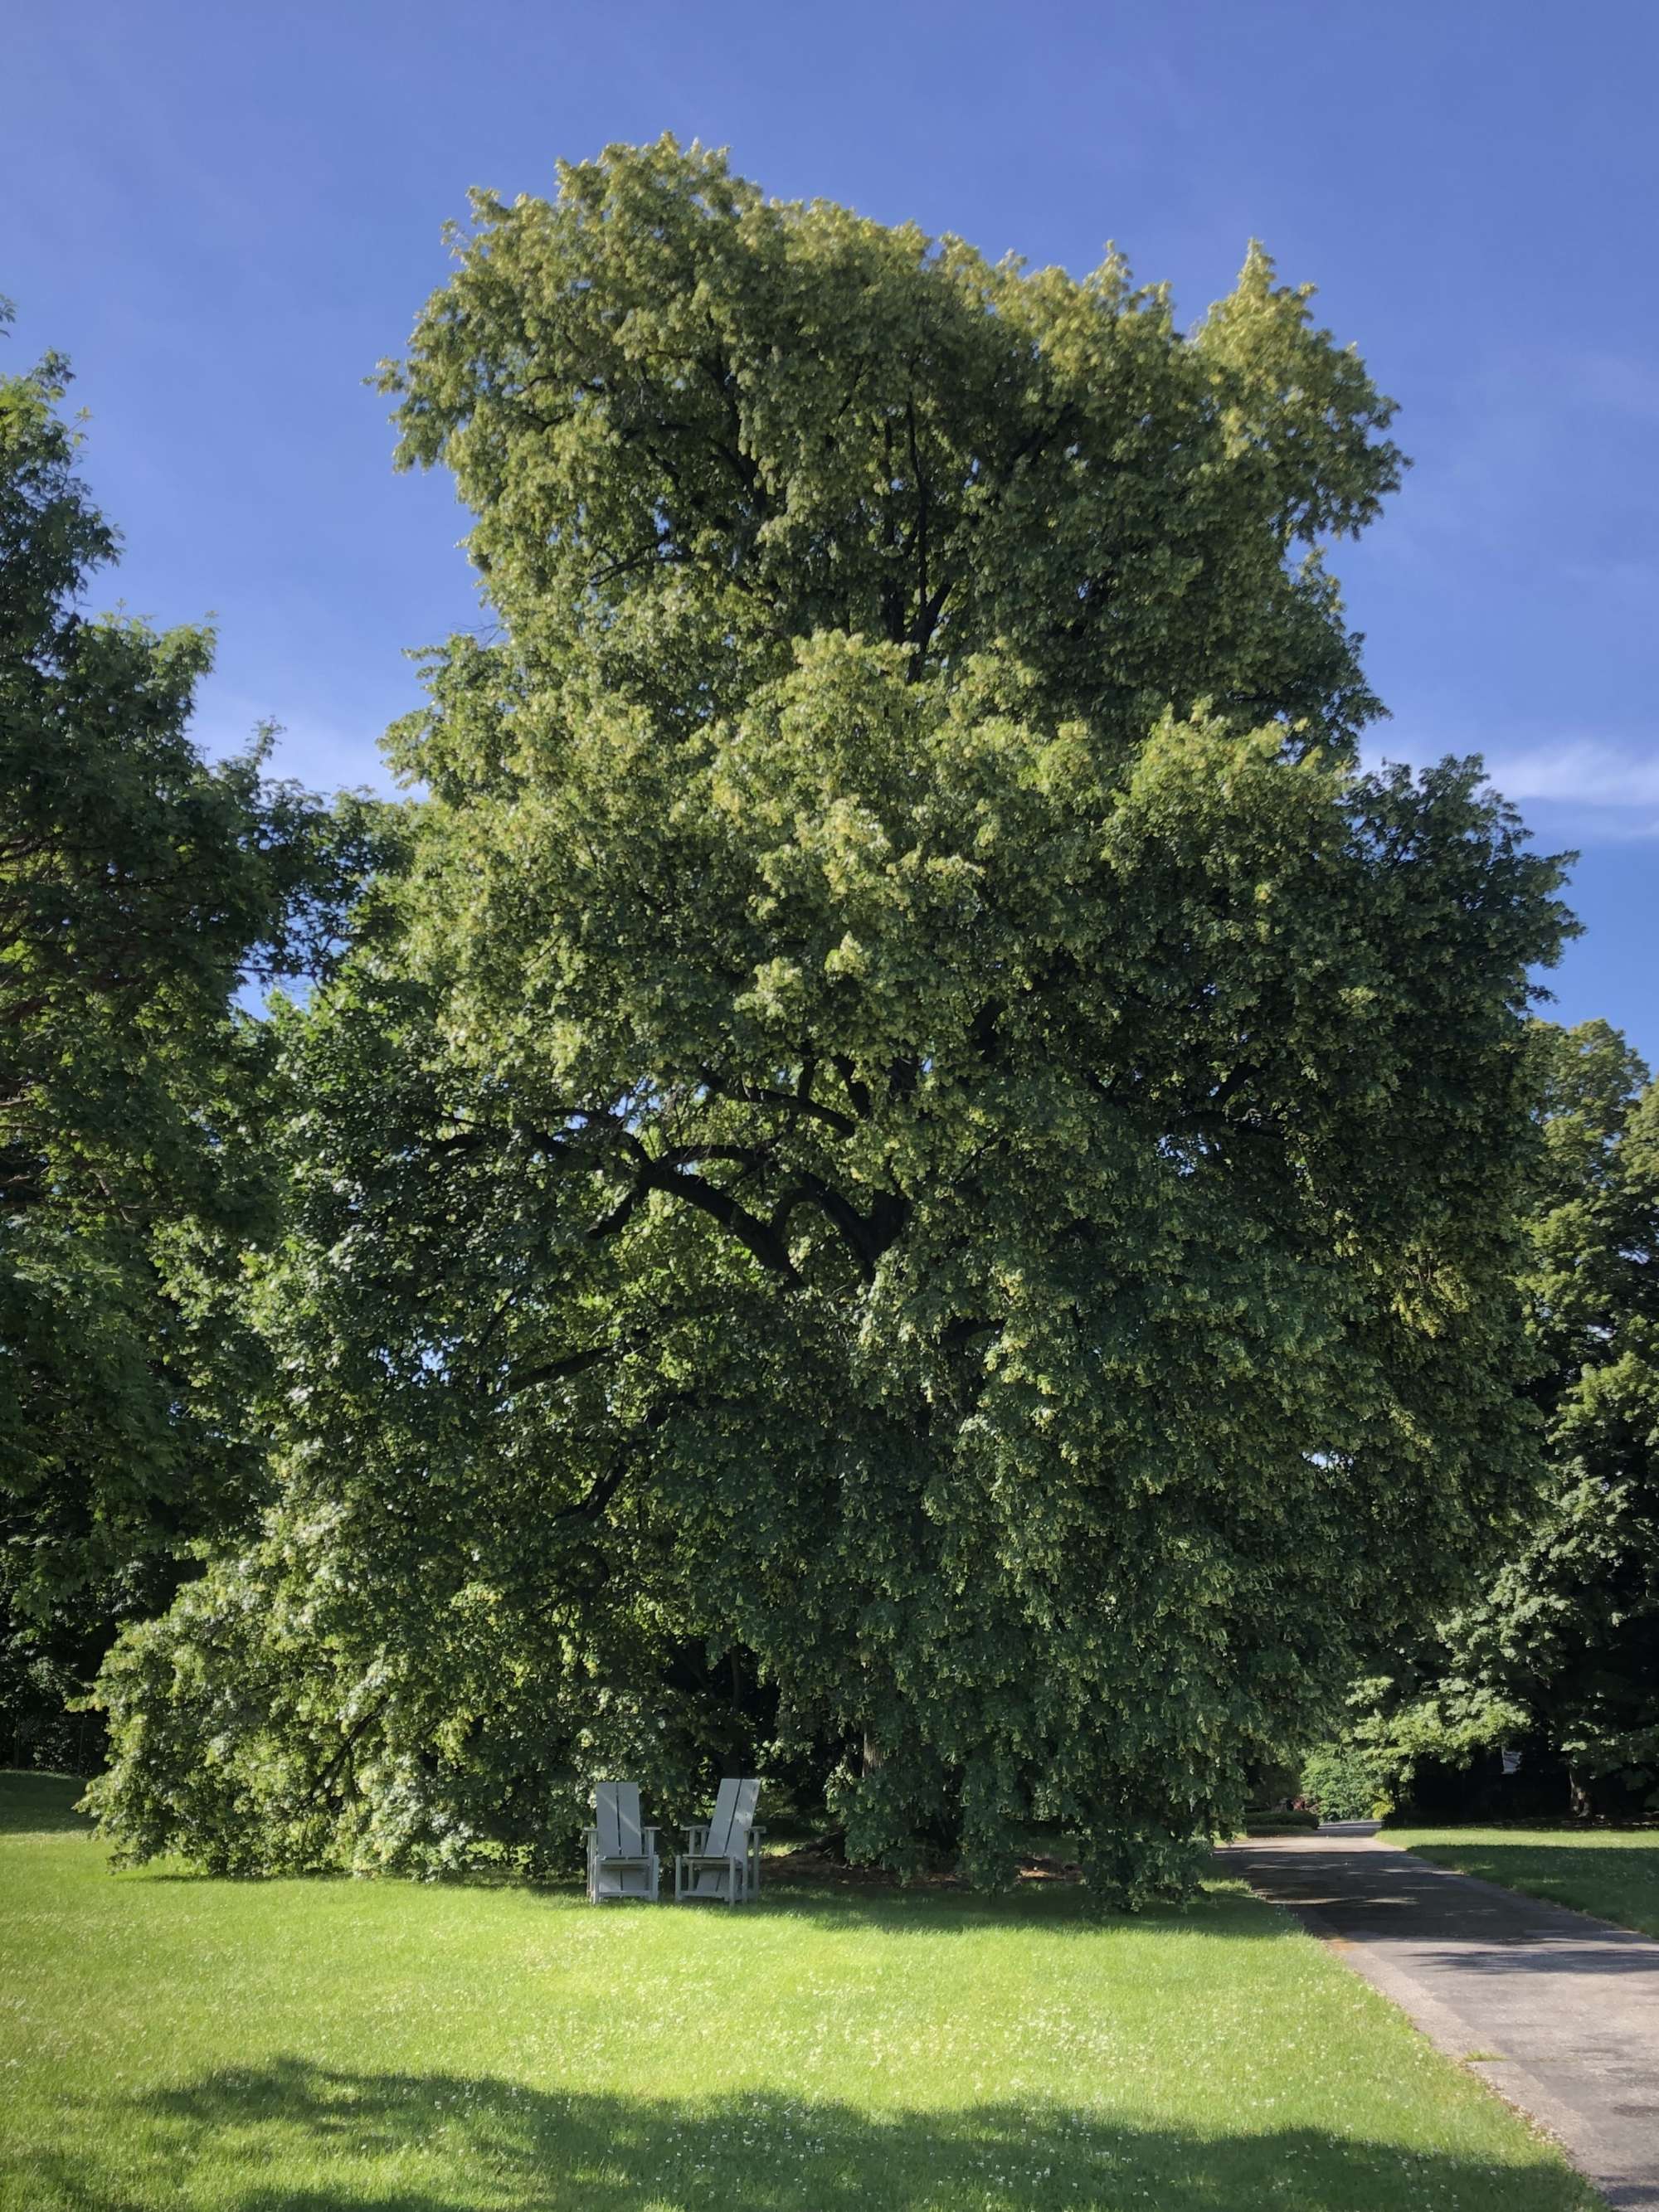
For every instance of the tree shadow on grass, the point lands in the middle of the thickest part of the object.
(891, 1908)
(1055, 1907)
(1620, 1885)
(33, 1804)
(293, 2136)
(1223, 1913)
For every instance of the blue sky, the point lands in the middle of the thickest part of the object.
(226, 213)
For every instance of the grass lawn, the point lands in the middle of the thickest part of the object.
(171, 2041)
(1612, 1872)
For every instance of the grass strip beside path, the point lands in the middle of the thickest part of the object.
(1611, 1872)
(219, 2046)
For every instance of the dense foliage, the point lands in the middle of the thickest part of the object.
(1344, 1779)
(917, 1176)
(137, 886)
(1560, 1658)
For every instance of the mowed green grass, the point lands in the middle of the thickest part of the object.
(1611, 1872)
(171, 2041)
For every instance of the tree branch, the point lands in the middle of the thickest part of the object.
(793, 1102)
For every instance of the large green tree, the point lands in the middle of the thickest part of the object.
(917, 1161)
(139, 887)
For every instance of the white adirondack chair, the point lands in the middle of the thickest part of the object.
(621, 1856)
(721, 1856)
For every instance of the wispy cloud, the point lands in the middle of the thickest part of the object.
(1621, 381)
(1586, 786)
(312, 750)
(1579, 771)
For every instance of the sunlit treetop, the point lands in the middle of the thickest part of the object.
(696, 425)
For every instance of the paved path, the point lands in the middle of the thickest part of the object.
(1558, 2012)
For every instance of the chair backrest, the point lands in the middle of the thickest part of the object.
(734, 1813)
(616, 1817)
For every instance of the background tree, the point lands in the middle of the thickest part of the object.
(138, 888)
(1560, 1655)
(913, 1136)
(1575, 1632)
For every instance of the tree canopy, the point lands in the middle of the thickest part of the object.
(916, 1173)
(139, 887)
